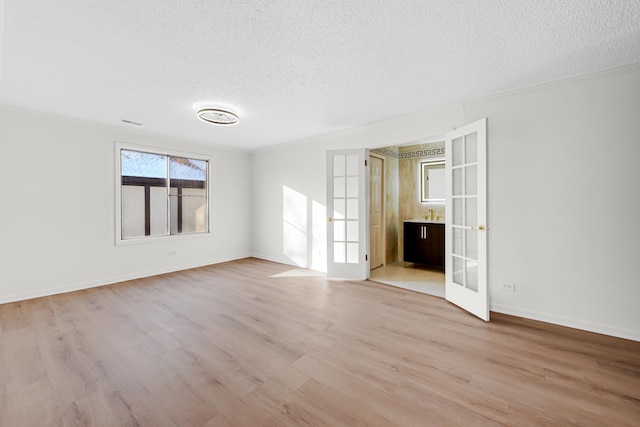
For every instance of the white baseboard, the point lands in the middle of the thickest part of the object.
(112, 280)
(568, 322)
(285, 261)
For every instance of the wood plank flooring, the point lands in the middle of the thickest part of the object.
(232, 345)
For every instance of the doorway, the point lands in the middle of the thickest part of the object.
(401, 200)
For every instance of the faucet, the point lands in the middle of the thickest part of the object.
(431, 214)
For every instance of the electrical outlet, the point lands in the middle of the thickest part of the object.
(508, 286)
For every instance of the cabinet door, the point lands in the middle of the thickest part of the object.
(411, 244)
(424, 244)
(436, 245)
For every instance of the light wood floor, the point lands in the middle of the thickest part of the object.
(231, 345)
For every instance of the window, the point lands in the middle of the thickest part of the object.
(160, 193)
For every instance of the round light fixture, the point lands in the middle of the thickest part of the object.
(218, 116)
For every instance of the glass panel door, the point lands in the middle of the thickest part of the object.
(347, 188)
(466, 262)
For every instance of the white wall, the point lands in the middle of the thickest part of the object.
(564, 201)
(300, 166)
(57, 207)
(564, 187)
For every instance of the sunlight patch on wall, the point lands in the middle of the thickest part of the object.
(319, 236)
(294, 225)
(304, 230)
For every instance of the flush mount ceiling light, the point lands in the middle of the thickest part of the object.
(218, 116)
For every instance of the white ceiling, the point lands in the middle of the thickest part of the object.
(295, 68)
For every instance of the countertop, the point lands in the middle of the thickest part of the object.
(425, 221)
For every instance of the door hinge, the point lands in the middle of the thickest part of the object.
(365, 162)
(366, 257)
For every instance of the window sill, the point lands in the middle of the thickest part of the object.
(161, 239)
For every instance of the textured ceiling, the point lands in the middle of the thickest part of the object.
(290, 68)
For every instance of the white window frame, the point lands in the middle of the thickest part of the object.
(119, 146)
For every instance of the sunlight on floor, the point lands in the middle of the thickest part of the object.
(414, 277)
(300, 272)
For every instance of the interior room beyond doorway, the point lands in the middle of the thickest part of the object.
(402, 192)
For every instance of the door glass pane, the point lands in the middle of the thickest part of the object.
(338, 165)
(339, 252)
(352, 231)
(471, 244)
(471, 180)
(471, 210)
(458, 271)
(457, 241)
(352, 208)
(338, 209)
(457, 148)
(338, 187)
(472, 276)
(352, 253)
(352, 186)
(339, 231)
(458, 212)
(471, 148)
(457, 181)
(352, 165)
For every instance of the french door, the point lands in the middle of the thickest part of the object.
(466, 209)
(348, 214)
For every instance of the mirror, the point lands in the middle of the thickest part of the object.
(432, 181)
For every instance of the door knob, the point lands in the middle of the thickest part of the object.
(479, 228)
(330, 219)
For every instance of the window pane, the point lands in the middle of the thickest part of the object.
(194, 211)
(352, 253)
(188, 195)
(471, 148)
(352, 209)
(472, 275)
(471, 180)
(188, 169)
(458, 271)
(457, 155)
(457, 181)
(143, 194)
(339, 233)
(339, 208)
(132, 211)
(471, 211)
(147, 165)
(338, 165)
(352, 165)
(339, 252)
(352, 231)
(338, 187)
(457, 241)
(158, 211)
(471, 244)
(352, 187)
(458, 212)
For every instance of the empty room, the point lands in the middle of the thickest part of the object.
(284, 213)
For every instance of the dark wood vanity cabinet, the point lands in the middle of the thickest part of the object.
(424, 244)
